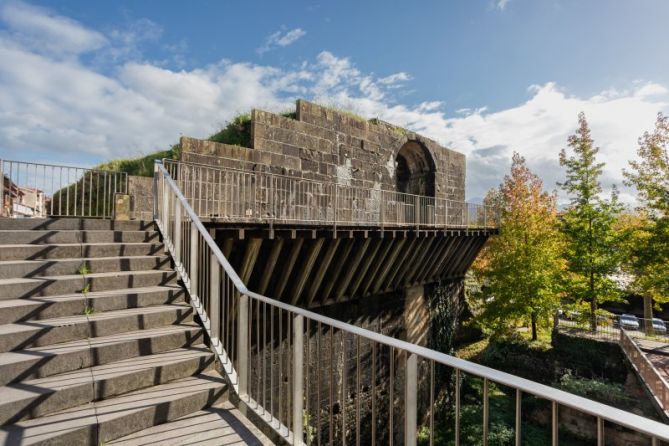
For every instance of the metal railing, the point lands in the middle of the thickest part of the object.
(657, 385)
(243, 196)
(608, 328)
(48, 190)
(314, 379)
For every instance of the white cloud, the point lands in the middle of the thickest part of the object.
(63, 109)
(281, 38)
(395, 78)
(501, 4)
(40, 30)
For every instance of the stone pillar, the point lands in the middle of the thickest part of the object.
(140, 190)
(416, 315)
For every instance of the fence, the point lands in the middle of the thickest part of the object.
(47, 190)
(242, 196)
(649, 374)
(316, 379)
(609, 328)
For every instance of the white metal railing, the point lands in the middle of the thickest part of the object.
(243, 196)
(49, 190)
(657, 385)
(315, 379)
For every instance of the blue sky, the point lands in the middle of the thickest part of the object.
(86, 81)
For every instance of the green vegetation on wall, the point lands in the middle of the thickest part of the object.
(141, 166)
(237, 132)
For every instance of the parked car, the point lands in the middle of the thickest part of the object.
(629, 322)
(658, 325)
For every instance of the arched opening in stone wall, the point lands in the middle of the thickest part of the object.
(415, 170)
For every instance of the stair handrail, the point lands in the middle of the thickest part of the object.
(226, 312)
(654, 381)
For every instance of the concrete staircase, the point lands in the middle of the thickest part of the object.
(98, 344)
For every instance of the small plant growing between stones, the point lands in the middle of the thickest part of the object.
(84, 270)
(399, 131)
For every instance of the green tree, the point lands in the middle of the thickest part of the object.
(644, 276)
(519, 267)
(588, 225)
(647, 236)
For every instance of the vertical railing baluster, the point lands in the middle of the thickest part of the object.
(214, 310)
(457, 407)
(298, 378)
(519, 406)
(554, 423)
(192, 274)
(166, 213)
(411, 400)
(486, 410)
(432, 402)
(177, 235)
(600, 431)
(242, 343)
(391, 395)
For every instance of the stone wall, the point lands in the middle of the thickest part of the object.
(140, 190)
(325, 145)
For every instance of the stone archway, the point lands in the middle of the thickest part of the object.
(415, 171)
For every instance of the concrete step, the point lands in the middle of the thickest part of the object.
(81, 250)
(44, 237)
(40, 362)
(39, 308)
(106, 420)
(56, 267)
(42, 396)
(53, 331)
(73, 224)
(215, 426)
(23, 288)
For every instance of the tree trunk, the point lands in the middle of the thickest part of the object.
(593, 304)
(534, 326)
(648, 314)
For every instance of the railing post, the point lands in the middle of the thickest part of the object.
(298, 378)
(155, 189)
(382, 209)
(416, 212)
(166, 215)
(243, 344)
(336, 207)
(411, 400)
(193, 264)
(214, 298)
(177, 234)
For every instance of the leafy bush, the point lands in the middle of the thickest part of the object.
(237, 132)
(597, 389)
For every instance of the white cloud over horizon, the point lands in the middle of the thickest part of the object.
(56, 106)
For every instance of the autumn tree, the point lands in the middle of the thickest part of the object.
(588, 225)
(644, 276)
(520, 266)
(648, 238)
